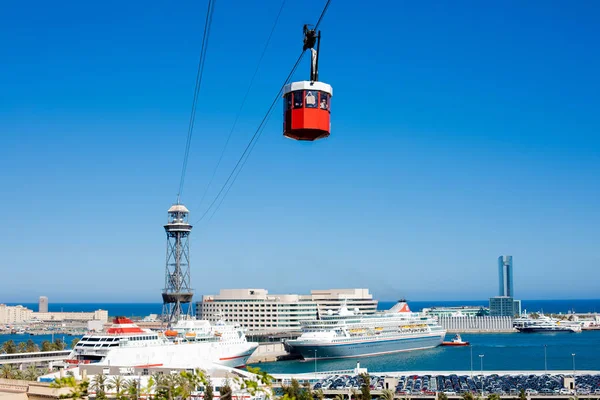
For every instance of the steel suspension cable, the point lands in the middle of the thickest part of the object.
(237, 117)
(199, 74)
(242, 160)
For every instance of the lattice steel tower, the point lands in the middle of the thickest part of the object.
(177, 294)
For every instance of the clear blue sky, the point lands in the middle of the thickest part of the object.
(461, 131)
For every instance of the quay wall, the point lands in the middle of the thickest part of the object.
(476, 324)
(269, 351)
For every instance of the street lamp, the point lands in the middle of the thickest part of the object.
(545, 359)
(481, 361)
(315, 363)
(471, 361)
(574, 378)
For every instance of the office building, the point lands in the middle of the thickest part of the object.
(264, 313)
(43, 304)
(504, 306)
(505, 275)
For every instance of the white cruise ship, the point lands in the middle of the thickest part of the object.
(545, 324)
(189, 342)
(347, 334)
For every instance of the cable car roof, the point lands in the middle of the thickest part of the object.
(308, 85)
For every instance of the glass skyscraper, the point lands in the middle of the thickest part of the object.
(505, 276)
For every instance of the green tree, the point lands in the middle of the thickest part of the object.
(292, 390)
(365, 388)
(225, 391)
(387, 394)
(79, 390)
(100, 384)
(7, 371)
(131, 387)
(47, 346)
(522, 395)
(22, 347)
(31, 373)
(493, 396)
(260, 383)
(468, 396)
(208, 391)
(442, 396)
(339, 397)
(117, 382)
(319, 394)
(74, 342)
(9, 347)
(58, 345)
(31, 347)
(306, 392)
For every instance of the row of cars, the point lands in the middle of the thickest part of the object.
(339, 382)
(499, 384)
(460, 384)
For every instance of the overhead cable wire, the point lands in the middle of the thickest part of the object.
(242, 160)
(199, 74)
(237, 117)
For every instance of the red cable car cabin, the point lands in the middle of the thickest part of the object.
(307, 108)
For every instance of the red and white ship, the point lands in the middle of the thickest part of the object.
(188, 343)
(456, 341)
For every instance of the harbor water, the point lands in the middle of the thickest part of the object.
(501, 351)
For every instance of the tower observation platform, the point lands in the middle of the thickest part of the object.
(177, 294)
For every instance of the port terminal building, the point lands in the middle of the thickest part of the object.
(20, 314)
(262, 313)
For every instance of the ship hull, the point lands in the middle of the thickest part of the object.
(185, 355)
(545, 330)
(365, 348)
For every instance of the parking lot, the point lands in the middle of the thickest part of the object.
(459, 384)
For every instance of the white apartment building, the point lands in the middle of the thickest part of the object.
(264, 313)
(14, 314)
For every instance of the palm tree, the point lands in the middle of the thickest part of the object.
(442, 396)
(31, 347)
(9, 347)
(22, 347)
(74, 342)
(387, 394)
(31, 373)
(319, 394)
(493, 396)
(131, 387)
(225, 391)
(99, 384)
(365, 388)
(117, 382)
(47, 346)
(522, 395)
(468, 396)
(7, 371)
(79, 390)
(339, 397)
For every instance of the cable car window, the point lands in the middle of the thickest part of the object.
(324, 104)
(311, 99)
(287, 104)
(298, 99)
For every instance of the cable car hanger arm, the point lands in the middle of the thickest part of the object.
(311, 37)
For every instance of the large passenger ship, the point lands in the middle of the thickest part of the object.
(348, 334)
(545, 324)
(187, 343)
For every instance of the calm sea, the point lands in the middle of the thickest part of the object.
(143, 309)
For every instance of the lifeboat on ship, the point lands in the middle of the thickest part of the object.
(456, 341)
